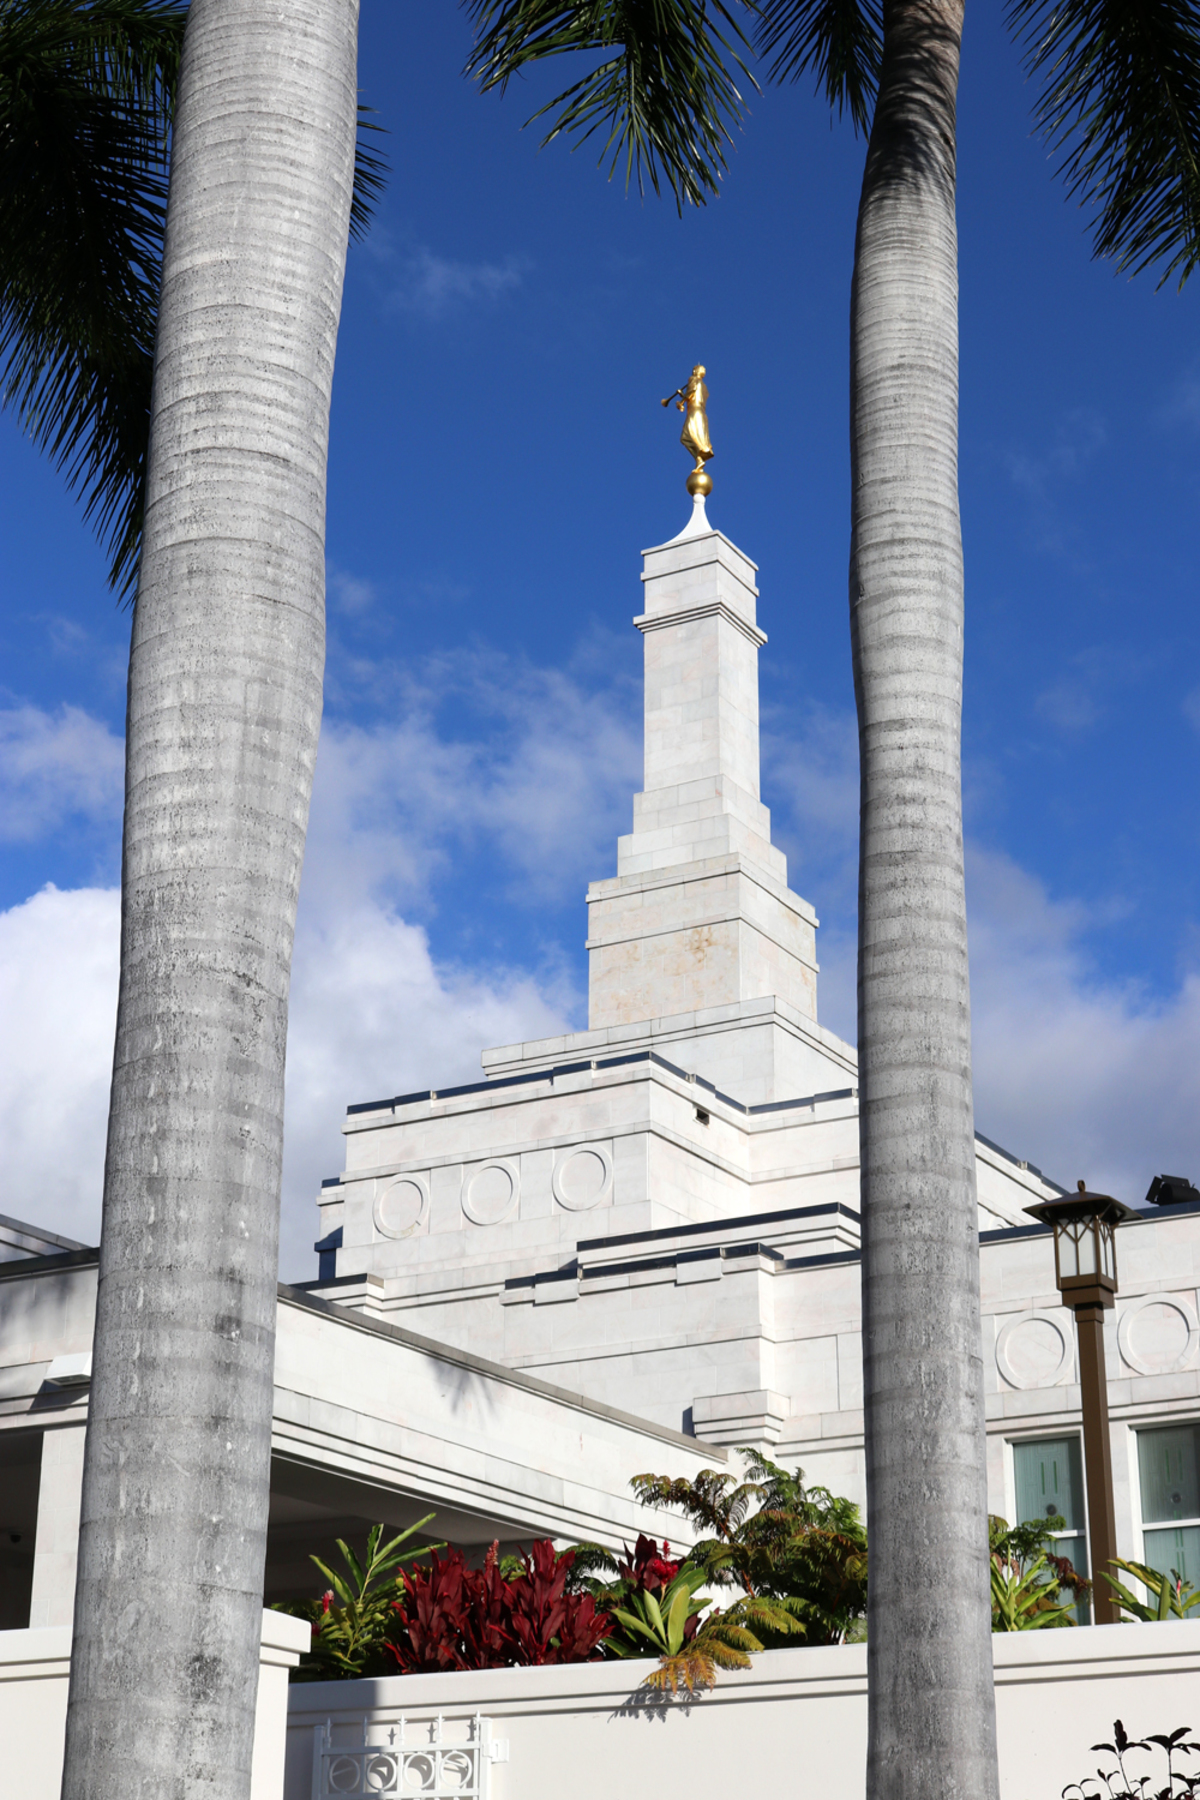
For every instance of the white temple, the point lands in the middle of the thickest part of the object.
(634, 1247)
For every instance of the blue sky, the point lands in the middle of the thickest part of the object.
(499, 459)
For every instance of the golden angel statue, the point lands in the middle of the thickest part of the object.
(692, 400)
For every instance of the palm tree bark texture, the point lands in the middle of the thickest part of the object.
(223, 716)
(931, 1702)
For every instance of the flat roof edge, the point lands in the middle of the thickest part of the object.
(465, 1359)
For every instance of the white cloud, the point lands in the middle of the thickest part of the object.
(1080, 1075)
(371, 1013)
(349, 593)
(542, 769)
(545, 779)
(1083, 1076)
(1191, 708)
(1045, 475)
(53, 766)
(812, 782)
(58, 1000)
(434, 285)
(1077, 438)
(1183, 404)
(1090, 682)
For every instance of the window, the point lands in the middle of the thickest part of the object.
(1049, 1480)
(1169, 1467)
(20, 1479)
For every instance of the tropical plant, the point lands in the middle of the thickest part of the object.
(1022, 1597)
(350, 1620)
(1119, 1784)
(690, 1648)
(775, 1539)
(1028, 1578)
(548, 1624)
(87, 96)
(664, 1620)
(648, 1565)
(1173, 1597)
(661, 98)
(454, 1617)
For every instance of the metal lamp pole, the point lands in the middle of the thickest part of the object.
(1085, 1268)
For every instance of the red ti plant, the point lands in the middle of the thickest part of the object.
(454, 1617)
(550, 1625)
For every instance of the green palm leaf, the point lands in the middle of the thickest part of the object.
(85, 106)
(841, 41)
(87, 92)
(663, 94)
(1122, 101)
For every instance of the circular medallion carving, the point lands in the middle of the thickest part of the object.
(583, 1178)
(490, 1192)
(1158, 1334)
(1034, 1350)
(402, 1207)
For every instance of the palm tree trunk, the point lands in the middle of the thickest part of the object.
(931, 1702)
(224, 710)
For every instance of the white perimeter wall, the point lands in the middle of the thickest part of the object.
(795, 1722)
(34, 1668)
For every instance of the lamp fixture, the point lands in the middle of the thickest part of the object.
(1085, 1271)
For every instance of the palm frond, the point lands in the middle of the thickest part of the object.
(1121, 100)
(841, 41)
(87, 94)
(663, 96)
(371, 170)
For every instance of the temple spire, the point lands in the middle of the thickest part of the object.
(700, 914)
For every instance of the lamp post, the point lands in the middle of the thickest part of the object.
(1085, 1269)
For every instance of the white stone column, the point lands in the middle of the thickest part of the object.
(57, 1540)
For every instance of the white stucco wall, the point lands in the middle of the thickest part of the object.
(34, 1670)
(795, 1722)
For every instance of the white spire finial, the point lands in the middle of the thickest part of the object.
(697, 524)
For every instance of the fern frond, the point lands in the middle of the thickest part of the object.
(691, 1669)
(769, 1614)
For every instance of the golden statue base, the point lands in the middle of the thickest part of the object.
(699, 482)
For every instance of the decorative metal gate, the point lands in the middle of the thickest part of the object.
(414, 1761)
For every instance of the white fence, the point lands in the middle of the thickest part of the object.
(34, 1666)
(796, 1717)
(431, 1761)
